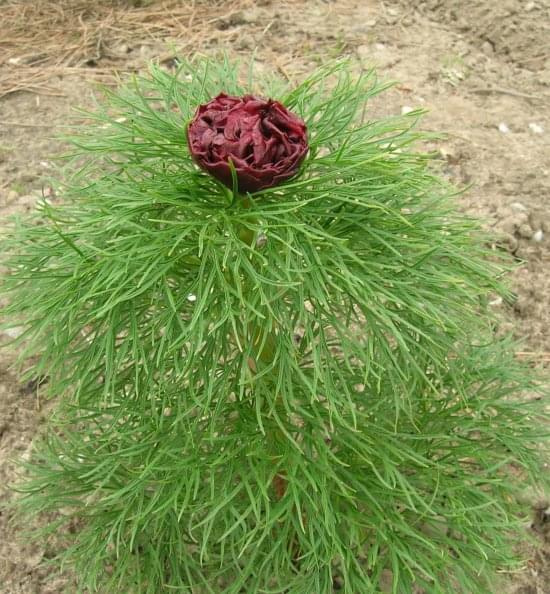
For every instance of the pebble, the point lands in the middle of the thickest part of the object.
(503, 128)
(538, 235)
(12, 196)
(529, 6)
(406, 109)
(525, 231)
(14, 332)
(518, 206)
(536, 128)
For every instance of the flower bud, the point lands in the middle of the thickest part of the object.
(263, 141)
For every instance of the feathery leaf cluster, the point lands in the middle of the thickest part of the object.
(259, 393)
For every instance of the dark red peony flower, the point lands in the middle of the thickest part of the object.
(265, 142)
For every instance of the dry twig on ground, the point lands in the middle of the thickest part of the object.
(43, 39)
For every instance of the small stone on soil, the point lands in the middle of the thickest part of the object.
(11, 197)
(525, 231)
(518, 206)
(536, 128)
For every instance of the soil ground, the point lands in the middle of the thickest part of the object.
(480, 68)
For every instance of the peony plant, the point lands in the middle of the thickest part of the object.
(265, 328)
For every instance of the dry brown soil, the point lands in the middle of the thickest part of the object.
(481, 68)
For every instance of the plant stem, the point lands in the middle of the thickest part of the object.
(266, 354)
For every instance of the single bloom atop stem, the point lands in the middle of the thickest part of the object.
(264, 141)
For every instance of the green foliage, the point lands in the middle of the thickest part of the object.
(258, 394)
